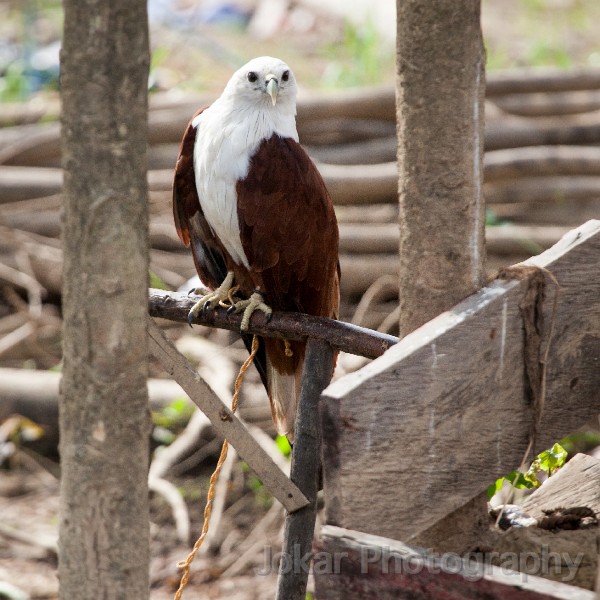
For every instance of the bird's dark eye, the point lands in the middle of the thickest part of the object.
(285, 76)
(252, 76)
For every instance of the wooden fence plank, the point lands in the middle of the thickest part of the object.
(350, 565)
(423, 429)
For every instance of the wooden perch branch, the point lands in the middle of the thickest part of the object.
(291, 326)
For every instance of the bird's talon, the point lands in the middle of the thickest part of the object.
(199, 291)
(255, 302)
(210, 300)
(231, 294)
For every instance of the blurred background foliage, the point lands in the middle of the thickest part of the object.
(196, 43)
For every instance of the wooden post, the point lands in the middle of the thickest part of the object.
(104, 418)
(305, 473)
(440, 118)
(440, 104)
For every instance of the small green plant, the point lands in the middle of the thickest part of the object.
(174, 416)
(157, 282)
(261, 494)
(547, 462)
(13, 84)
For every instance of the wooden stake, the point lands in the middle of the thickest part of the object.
(305, 473)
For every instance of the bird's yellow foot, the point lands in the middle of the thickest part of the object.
(222, 296)
(255, 302)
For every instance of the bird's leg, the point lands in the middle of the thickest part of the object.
(255, 302)
(213, 299)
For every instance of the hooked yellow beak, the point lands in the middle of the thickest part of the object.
(272, 87)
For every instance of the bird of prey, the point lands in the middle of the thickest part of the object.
(258, 217)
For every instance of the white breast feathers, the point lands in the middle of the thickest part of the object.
(225, 143)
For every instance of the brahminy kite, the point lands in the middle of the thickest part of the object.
(258, 217)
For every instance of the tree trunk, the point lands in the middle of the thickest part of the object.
(104, 420)
(440, 116)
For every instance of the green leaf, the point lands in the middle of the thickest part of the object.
(548, 462)
(517, 479)
(283, 445)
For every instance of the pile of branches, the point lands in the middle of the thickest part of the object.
(542, 176)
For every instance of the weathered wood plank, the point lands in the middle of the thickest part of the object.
(423, 429)
(350, 565)
(576, 484)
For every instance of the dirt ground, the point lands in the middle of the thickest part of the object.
(29, 504)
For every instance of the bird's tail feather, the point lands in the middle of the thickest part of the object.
(284, 375)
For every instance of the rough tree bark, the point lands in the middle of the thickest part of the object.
(440, 118)
(104, 420)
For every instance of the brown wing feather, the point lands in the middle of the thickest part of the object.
(290, 236)
(210, 258)
(185, 196)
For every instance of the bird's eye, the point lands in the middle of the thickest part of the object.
(285, 76)
(252, 76)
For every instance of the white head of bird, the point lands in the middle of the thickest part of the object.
(258, 101)
(264, 82)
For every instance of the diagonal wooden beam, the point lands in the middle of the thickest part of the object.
(225, 423)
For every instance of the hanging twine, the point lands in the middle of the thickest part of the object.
(186, 564)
